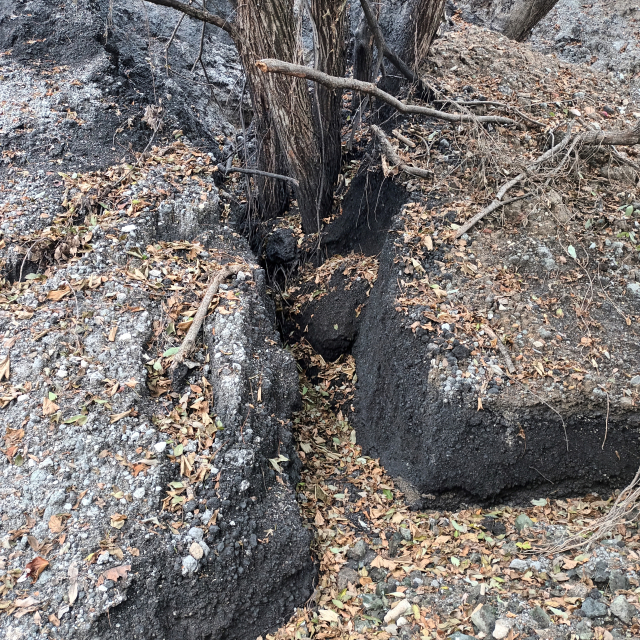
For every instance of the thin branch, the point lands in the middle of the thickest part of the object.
(496, 204)
(501, 347)
(199, 14)
(257, 172)
(389, 54)
(390, 153)
(190, 339)
(270, 65)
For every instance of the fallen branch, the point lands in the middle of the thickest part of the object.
(199, 14)
(270, 65)
(257, 172)
(498, 202)
(390, 153)
(491, 103)
(190, 339)
(501, 347)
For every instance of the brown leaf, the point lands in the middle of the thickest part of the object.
(36, 567)
(112, 333)
(117, 572)
(58, 294)
(33, 542)
(5, 369)
(54, 620)
(118, 416)
(118, 520)
(48, 407)
(56, 522)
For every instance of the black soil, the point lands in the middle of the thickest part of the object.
(450, 450)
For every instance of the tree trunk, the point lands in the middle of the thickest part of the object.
(284, 124)
(363, 52)
(420, 30)
(329, 17)
(524, 16)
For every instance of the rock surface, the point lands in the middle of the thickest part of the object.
(131, 509)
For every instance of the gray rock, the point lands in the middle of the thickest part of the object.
(618, 581)
(634, 289)
(460, 636)
(518, 565)
(189, 565)
(523, 521)
(484, 619)
(623, 609)
(593, 608)
(635, 381)
(540, 617)
(371, 602)
(195, 533)
(347, 575)
(406, 534)
(358, 551)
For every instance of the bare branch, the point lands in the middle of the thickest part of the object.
(199, 14)
(391, 155)
(383, 48)
(269, 65)
(190, 339)
(256, 172)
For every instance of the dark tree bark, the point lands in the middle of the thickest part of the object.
(363, 52)
(524, 16)
(329, 17)
(420, 30)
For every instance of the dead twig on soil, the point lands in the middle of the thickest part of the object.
(199, 14)
(271, 65)
(189, 341)
(390, 153)
(501, 347)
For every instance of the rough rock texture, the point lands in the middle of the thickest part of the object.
(75, 474)
(156, 513)
(599, 33)
(83, 74)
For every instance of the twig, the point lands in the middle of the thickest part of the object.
(501, 347)
(395, 159)
(271, 65)
(496, 204)
(257, 172)
(190, 339)
(389, 54)
(542, 474)
(205, 16)
(404, 139)
(492, 103)
(606, 423)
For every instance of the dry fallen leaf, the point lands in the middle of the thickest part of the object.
(5, 369)
(58, 294)
(112, 333)
(73, 578)
(48, 407)
(36, 567)
(56, 522)
(117, 520)
(117, 572)
(118, 416)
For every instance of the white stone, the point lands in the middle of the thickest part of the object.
(129, 228)
(160, 446)
(138, 494)
(196, 551)
(195, 533)
(402, 622)
(189, 565)
(501, 629)
(400, 609)
(125, 337)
